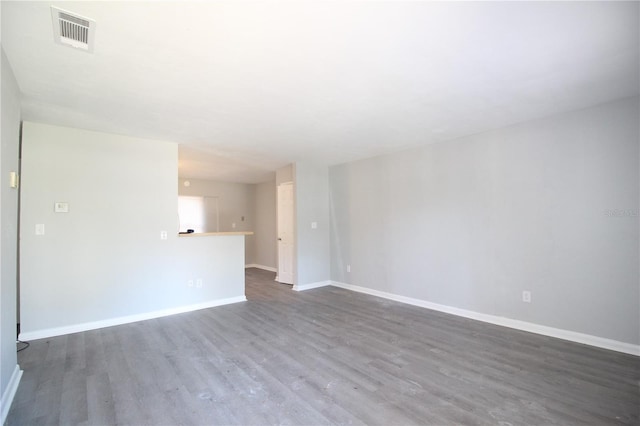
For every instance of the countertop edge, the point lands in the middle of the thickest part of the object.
(215, 234)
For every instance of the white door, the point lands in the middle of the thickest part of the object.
(285, 233)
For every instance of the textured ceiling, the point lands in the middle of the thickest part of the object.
(248, 87)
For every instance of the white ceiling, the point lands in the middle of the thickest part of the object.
(247, 87)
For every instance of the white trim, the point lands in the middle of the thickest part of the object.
(76, 328)
(303, 287)
(10, 392)
(572, 336)
(266, 268)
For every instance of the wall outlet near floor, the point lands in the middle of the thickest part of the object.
(190, 283)
(163, 235)
(199, 283)
(526, 296)
(348, 268)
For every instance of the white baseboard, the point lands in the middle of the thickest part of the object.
(266, 268)
(10, 392)
(76, 328)
(572, 336)
(309, 286)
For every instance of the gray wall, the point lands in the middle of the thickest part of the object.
(9, 148)
(311, 192)
(105, 259)
(549, 206)
(265, 238)
(237, 200)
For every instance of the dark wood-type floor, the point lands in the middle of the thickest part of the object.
(324, 356)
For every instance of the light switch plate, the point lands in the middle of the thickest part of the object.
(40, 229)
(314, 225)
(61, 207)
(14, 180)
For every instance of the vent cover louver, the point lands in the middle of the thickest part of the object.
(72, 30)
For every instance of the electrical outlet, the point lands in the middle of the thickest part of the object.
(199, 283)
(314, 225)
(526, 296)
(163, 235)
(40, 229)
(348, 268)
(233, 225)
(190, 283)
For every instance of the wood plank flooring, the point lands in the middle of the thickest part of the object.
(324, 356)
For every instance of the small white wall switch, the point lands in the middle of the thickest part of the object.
(40, 229)
(526, 296)
(233, 225)
(14, 180)
(190, 283)
(314, 225)
(163, 235)
(61, 207)
(199, 283)
(348, 268)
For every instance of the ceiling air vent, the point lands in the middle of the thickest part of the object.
(73, 30)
